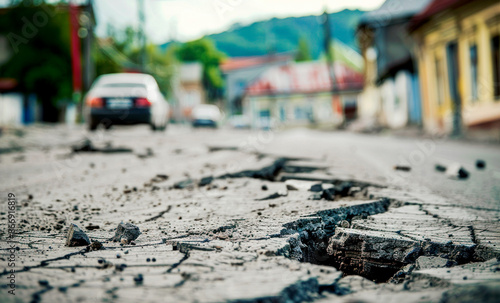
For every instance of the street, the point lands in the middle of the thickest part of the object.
(232, 216)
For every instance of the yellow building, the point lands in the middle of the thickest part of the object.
(458, 53)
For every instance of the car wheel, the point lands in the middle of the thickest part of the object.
(93, 124)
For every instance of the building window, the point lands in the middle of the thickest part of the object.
(495, 50)
(473, 69)
(440, 81)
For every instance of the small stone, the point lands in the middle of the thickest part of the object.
(154, 259)
(127, 231)
(316, 196)
(76, 237)
(440, 168)
(95, 245)
(118, 256)
(456, 171)
(329, 194)
(316, 188)
(402, 168)
(43, 283)
(139, 279)
(480, 164)
(205, 181)
(148, 260)
(264, 187)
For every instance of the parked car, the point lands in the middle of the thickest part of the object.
(120, 99)
(205, 115)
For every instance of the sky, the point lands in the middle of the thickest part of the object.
(186, 20)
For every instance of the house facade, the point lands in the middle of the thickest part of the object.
(391, 94)
(300, 94)
(458, 51)
(239, 72)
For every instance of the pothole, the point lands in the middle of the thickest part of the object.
(336, 238)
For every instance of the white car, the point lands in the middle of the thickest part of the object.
(205, 115)
(119, 99)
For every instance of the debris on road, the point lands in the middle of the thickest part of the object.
(481, 164)
(126, 232)
(456, 171)
(95, 245)
(274, 196)
(184, 184)
(88, 146)
(440, 168)
(316, 188)
(92, 227)
(76, 237)
(205, 181)
(159, 178)
(147, 154)
(402, 168)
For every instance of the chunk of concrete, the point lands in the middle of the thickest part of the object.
(76, 237)
(426, 262)
(456, 171)
(126, 232)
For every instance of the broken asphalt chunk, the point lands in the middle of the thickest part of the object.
(184, 184)
(76, 237)
(480, 164)
(456, 171)
(95, 245)
(402, 168)
(329, 194)
(316, 188)
(440, 168)
(274, 196)
(126, 232)
(205, 181)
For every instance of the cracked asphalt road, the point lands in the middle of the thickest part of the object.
(221, 240)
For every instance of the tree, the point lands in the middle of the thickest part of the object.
(121, 52)
(204, 51)
(303, 53)
(39, 60)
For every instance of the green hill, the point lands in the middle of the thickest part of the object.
(282, 35)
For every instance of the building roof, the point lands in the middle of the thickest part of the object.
(435, 7)
(237, 63)
(191, 72)
(393, 10)
(305, 77)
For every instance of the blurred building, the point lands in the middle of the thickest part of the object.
(458, 45)
(240, 72)
(301, 94)
(19, 107)
(391, 95)
(191, 92)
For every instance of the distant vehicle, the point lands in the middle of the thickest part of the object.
(205, 115)
(120, 99)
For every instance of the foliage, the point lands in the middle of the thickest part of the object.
(40, 58)
(120, 52)
(303, 52)
(281, 35)
(204, 51)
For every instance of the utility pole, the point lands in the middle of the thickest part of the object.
(142, 35)
(330, 59)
